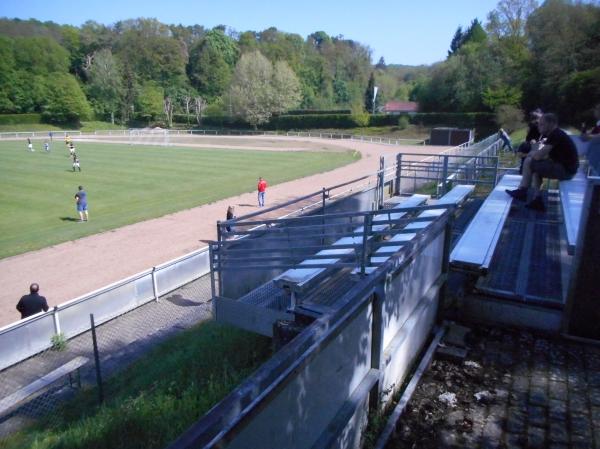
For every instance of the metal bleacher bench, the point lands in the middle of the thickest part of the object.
(475, 249)
(67, 369)
(455, 197)
(571, 200)
(299, 279)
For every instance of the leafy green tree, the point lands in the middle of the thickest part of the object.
(250, 92)
(457, 41)
(105, 84)
(211, 63)
(66, 101)
(285, 86)
(370, 94)
(564, 40)
(40, 56)
(494, 97)
(509, 117)
(509, 18)
(147, 47)
(259, 89)
(149, 103)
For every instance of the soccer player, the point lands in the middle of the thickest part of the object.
(29, 145)
(81, 200)
(76, 162)
(46, 146)
(71, 149)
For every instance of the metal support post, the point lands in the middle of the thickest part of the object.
(97, 360)
(397, 186)
(445, 175)
(366, 233)
(446, 257)
(154, 284)
(56, 321)
(218, 257)
(212, 271)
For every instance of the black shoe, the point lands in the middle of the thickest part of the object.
(518, 194)
(536, 204)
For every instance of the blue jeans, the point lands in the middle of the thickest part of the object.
(261, 198)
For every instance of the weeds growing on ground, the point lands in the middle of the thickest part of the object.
(153, 401)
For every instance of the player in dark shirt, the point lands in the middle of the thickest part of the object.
(32, 303)
(555, 158)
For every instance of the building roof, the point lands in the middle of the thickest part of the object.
(401, 106)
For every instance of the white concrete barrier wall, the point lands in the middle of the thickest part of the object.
(297, 416)
(28, 337)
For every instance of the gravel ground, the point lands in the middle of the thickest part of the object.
(515, 389)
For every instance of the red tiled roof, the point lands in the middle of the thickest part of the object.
(401, 106)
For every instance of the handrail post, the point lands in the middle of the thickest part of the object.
(154, 284)
(397, 186)
(366, 232)
(445, 175)
(218, 258)
(97, 360)
(56, 320)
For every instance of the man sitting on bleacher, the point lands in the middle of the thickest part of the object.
(555, 158)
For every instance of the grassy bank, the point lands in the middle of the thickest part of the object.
(152, 402)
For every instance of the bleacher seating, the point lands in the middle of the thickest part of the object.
(298, 279)
(457, 196)
(476, 246)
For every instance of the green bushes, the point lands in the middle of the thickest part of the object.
(18, 119)
(454, 119)
(311, 121)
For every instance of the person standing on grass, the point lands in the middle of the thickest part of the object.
(29, 145)
(76, 162)
(262, 188)
(32, 303)
(46, 146)
(81, 200)
(50, 135)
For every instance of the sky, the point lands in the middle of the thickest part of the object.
(402, 31)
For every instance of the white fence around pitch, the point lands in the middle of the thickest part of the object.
(137, 132)
(32, 335)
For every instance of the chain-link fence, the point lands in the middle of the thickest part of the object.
(37, 389)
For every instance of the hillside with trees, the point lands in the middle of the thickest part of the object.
(523, 56)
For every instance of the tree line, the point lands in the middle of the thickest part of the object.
(523, 56)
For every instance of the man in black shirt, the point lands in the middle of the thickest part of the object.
(32, 303)
(556, 158)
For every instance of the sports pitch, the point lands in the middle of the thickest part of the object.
(127, 184)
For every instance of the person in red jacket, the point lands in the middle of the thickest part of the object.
(262, 187)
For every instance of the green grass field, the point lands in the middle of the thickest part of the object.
(127, 184)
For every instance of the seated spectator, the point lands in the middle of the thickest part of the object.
(532, 137)
(555, 158)
(32, 303)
